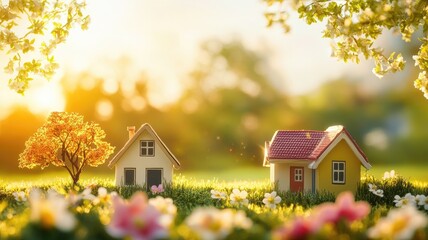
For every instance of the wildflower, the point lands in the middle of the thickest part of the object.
(422, 200)
(399, 224)
(103, 196)
(51, 211)
(271, 200)
(19, 196)
(212, 223)
(135, 219)
(389, 175)
(374, 189)
(166, 208)
(157, 189)
(299, 228)
(238, 197)
(74, 198)
(218, 194)
(345, 208)
(408, 199)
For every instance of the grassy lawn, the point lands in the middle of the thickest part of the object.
(410, 172)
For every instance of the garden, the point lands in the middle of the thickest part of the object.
(387, 208)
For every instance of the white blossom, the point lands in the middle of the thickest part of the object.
(238, 197)
(375, 190)
(408, 199)
(51, 211)
(399, 224)
(218, 194)
(167, 209)
(271, 200)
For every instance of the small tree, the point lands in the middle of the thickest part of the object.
(66, 140)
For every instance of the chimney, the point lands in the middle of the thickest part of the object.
(131, 131)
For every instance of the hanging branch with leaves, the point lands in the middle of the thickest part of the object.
(29, 32)
(355, 25)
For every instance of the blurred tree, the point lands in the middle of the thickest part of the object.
(23, 39)
(232, 106)
(66, 140)
(355, 25)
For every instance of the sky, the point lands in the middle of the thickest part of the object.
(162, 39)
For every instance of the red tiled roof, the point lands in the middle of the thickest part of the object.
(301, 144)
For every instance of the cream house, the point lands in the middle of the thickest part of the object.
(144, 159)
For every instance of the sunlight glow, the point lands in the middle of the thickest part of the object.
(46, 98)
(104, 109)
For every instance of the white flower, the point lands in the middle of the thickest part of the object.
(50, 211)
(271, 200)
(399, 224)
(103, 196)
(373, 189)
(408, 199)
(167, 209)
(389, 175)
(19, 196)
(212, 223)
(74, 198)
(422, 200)
(238, 197)
(218, 194)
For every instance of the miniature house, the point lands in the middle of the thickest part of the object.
(306, 160)
(145, 159)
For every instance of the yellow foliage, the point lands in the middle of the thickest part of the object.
(66, 140)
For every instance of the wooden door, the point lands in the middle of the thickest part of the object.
(296, 179)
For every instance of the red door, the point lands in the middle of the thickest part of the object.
(296, 179)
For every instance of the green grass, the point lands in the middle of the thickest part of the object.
(411, 172)
(193, 192)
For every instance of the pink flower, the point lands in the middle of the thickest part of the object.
(299, 228)
(345, 208)
(157, 189)
(135, 219)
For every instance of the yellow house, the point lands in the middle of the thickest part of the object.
(307, 160)
(144, 159)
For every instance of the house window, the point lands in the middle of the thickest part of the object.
(338, 172)
(129, 176)
(147, 148)
(298, 173)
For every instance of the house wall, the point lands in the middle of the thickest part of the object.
(324, 178)
(280, 174)
(132, 159)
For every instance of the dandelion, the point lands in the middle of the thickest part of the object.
(399, 224)
(20, 196)
(212, 223)
(218, 195)
(51, 211)
(157, 189)
(238, 197)
(375, 190)
(166, 208)
(135, 219)
(271, 200)
(389, 175)
(408, 199)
